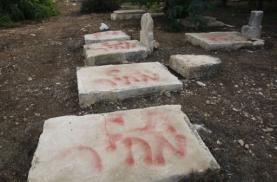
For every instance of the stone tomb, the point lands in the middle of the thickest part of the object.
(132, 14)
(151, 144)
(113, 52)
(105, 36)
(222, 40)
(127, 14)
(194, 66)
(254, 27)
(113, 82)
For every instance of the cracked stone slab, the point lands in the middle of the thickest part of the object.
(112, 82)
(151, 145)
(106, 36)
(114, 52)
(221, 40)
(194, 66)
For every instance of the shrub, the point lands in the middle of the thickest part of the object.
(99, 6)
(17, 10)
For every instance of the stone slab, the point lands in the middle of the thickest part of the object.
(220, 40)
(111, 82)
(106, 36)
(211, 22)
(132, 14)
(127, 14)
(113, 52)
(194, 66)
(150, 144)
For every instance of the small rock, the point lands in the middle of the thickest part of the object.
(246, 146)
(201, 84)
(16, 123)
(30, 78)
(167, 94)
(268, 129)
(104, 27)
(241, 142)
(218, 142)
(275, 148)
(33, 35)
(37, 114)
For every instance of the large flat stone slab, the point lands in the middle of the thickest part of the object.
(127, 14)
(151, 144)
(106, 36)
(132, 14)
(194, 66)
(112, 82)
(113, 52)
(220, 40)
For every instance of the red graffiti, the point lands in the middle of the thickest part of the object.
(96, 160)
(221, 37)
(129, 142)
(114, 45)
(99, 34)
(117, 77)
(153, 149)
(163, 143)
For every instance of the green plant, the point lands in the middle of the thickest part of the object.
(195, 11)
(17, 10)
(99, 6)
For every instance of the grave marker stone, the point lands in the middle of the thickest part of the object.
(150, 144)
(147, 31)
(254, 28)
(194, 66)
(114, 52)
(111, 82)
(106, 36)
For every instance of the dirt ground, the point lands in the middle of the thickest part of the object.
(38, 81)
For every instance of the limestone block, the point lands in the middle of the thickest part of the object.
(219, 40)
(112, 82)
(194, 66)
(151, 145)
(113, 52)
(127, 14)
(254, 28)
(106, 36)
(147, 32)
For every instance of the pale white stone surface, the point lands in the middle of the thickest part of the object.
(127, 14)
(219, 40)
(113, 52)
(147, 32)
(151, 145)
(106, 36)
(254, 28)
(112, 82)
(194, 66)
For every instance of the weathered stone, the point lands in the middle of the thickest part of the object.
(133, 14)
(111, 82)
(113, 52)
(219, 40)
(210, 22)
(254, 27)
(147, 31)
(106, 36)
(127, 14)
(194, 66)
(150, 144)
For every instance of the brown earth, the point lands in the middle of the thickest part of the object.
(38, 81)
